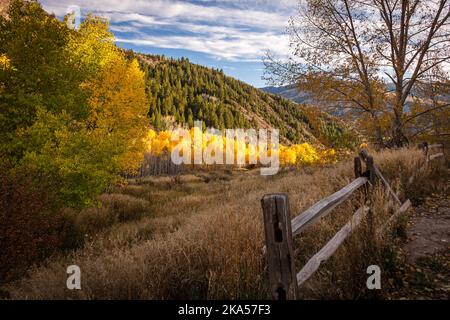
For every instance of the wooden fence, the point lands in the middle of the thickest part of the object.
(284, 279)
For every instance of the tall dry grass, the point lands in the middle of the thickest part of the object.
(110, 210)
(203, 239)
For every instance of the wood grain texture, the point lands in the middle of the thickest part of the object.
(330, 248)
(325, 206)
(387, 185)
(279, 247)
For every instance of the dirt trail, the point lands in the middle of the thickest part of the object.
(429, 230)
(427, 250)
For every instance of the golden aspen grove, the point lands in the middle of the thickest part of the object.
(160, 143)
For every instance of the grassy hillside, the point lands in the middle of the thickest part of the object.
(185, 92)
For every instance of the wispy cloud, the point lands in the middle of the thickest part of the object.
(231, 49)
(225, 29)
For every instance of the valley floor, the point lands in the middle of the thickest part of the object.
(200, 236)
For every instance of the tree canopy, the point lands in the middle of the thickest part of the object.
(371, 59)
(72, 106)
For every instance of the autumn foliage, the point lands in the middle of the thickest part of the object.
(77, 113)
(159, 143)
(72, 118)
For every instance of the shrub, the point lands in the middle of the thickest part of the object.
(29, 230)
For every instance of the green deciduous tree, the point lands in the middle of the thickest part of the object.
(74, 108)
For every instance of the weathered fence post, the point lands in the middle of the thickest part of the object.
(371, 170)
(425, 151)
(279, 246)
(370, 167)
(371, 175)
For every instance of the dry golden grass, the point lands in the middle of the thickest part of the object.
(111, 209)
(203, 238)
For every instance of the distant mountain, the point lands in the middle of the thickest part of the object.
(290, 92)
(183, 92)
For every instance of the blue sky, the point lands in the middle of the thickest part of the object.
(227, 34)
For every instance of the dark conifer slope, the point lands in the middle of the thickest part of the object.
(184, 92)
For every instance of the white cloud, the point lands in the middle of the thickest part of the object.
(235, 49)
(225, 29)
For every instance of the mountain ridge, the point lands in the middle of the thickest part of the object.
(183, 91)
(290, 92)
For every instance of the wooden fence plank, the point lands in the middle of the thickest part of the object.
(437, 155)
(279, 229)
(418, 171)
(330, 248)
(325, 206)
(386, 184)
(437, 145)
(404, 207)
(279, 247)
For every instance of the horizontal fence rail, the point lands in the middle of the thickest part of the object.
(325, 206)
(330, 248)
(280, 228)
